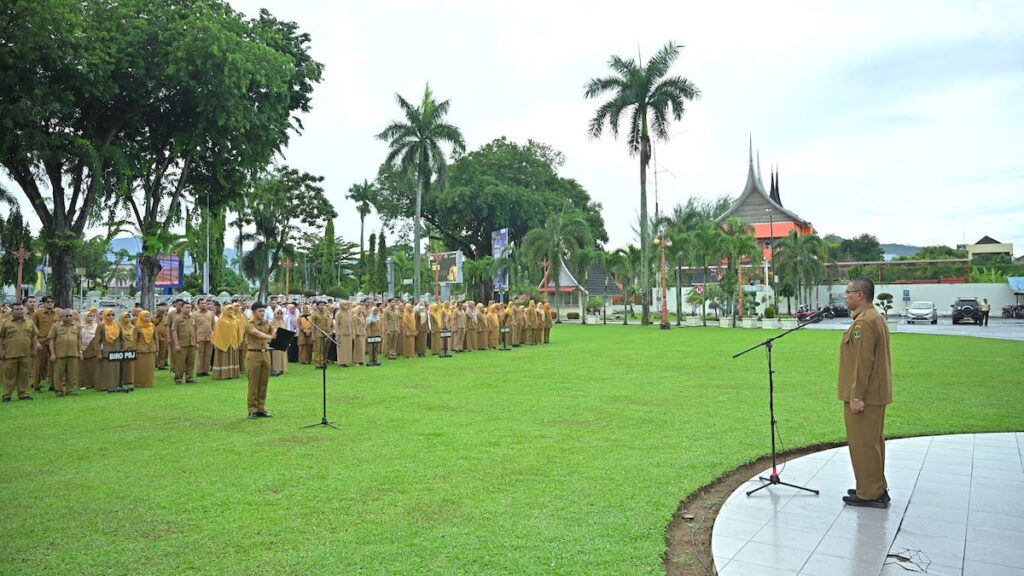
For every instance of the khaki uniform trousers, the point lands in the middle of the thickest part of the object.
(65, 375)
(184, 363)
(258, 371)
(864, 434)
(42, 367)
(391, 344)
(204, 356)
(161, 353)
(319, 351)
(17, 372)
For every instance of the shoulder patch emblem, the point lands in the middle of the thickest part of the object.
(856, 334)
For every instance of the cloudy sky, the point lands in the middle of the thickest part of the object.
(899, 119)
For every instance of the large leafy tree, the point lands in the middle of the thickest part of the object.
(15, 234)
(414, 148)
(801, 263)
(275, 236)
(563, 237)
(142, 103)
(652, 99)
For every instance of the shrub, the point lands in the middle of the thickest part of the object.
(338, 291)
(572, 315)
(769, 312)
(594, 304)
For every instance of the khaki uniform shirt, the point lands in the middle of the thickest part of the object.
(322, 321)
(865, 366)
(65, 340)
(204, 326)
(17, 337)
(44, 320)
(343, 323)
(253, 343)
(185, 327)
(393, 318)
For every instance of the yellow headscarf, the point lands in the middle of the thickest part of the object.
(304, 321)
(111, 330)
(127, 329)
(145, 329)
(408, 319)
(227, 330)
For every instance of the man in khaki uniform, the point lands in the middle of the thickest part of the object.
(44, 319)
(865, 388)
(258, 333)
(160, 330)
(393, 318)
(204, 333)
(65, 352)
(183, 338)
(344, 333)
(17, 342)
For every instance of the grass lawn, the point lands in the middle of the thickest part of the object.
(568, 458)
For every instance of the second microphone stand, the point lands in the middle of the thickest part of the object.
(324, 421)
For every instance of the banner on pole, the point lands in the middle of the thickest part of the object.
(499, 249)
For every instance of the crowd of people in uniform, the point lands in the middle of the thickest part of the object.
(223, 341)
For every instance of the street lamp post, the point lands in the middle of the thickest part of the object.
(665, 324)
(21, 254)
(287, 278)
(771, 257)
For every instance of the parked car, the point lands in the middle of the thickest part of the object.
(922, 311)
(967, 309)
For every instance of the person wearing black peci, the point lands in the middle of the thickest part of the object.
(258, 333)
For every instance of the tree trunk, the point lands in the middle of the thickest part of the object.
(679, 295)
(416, 240)
(62, 280)
(149, 267)
(645, 272)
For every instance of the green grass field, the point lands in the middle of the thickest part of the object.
(568, 458)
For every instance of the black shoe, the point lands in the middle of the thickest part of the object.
(253, 415)
(177, 381)
(884, 496)
(855, 501)
(6, 400)
(24, 397)
(264, 415)
(190, 381)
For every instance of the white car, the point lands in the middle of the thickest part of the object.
(922, 311)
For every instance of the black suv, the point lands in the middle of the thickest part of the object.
(967, 309)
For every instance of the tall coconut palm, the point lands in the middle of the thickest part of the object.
(652, 100)
(362, 194)
(739, 243)
(802, 259)
(414, 147)
(563, 237)
(707, 249)
(679, 252)
(610, 261)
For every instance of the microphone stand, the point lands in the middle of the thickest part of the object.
(323, 421)
(773, 479)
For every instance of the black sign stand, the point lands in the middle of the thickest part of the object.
(446, 337)
(504, 338)
(374, 342)
(121, 356)
(324, 421)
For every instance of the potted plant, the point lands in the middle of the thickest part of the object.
(725, 321)
(885, 303)
(769, 318)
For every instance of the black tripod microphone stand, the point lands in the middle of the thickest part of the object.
(774, 479)
(323, 421)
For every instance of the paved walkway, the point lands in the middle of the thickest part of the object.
(957, 509)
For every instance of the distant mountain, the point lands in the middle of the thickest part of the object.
(899, 250)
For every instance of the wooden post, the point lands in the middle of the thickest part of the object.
(287, 278)
(21, 254)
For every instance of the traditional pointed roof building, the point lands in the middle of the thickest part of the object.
(763, 210)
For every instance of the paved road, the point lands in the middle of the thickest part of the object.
(1000, 328)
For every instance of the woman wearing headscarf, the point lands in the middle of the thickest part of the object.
(481, 327)
(531, 323)
(493, 325)
(359, 327)
(422, 328)
(109, 335)
(305, 335)
(226, 340)
(278, 358)
(146, 347)
(90, 350)
(547, 323)
(436, 324)
(408, 333)
(470, 326)
(128, 340)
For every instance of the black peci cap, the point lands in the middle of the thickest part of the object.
(256, 306)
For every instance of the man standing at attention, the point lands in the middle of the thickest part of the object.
(65, 352)
(258, 333)
(204, 332)
(865, 388)
(183, 338)
(44, 319)
(18, 341)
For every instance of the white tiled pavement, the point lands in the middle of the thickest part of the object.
(957, 509)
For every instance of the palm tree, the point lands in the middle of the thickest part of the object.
(739, 243)
(362, 194)
(610, 261)
(652, 100)
(414, 147)
(707, 248)
(630, 260)
(801, 259)
(564, 236)
(402, 269)
(679, 252)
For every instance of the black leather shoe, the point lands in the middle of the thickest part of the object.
(884, 496)
(253, 415)
(24, 397)
(855, 501)
(6, 399)
(264, 415)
